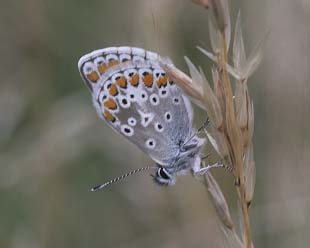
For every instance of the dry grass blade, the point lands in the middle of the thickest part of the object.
(212, 103)
(214, 58)
(196, 77)
(219, 201)
(227, 23)
(218, 88)
(220, 12)
(251, 121)
(241, 104)
(219, 142)
(250, 173)
(238, 46)
(255, 58)
(215, 36)
(191, 87)
(232, 240)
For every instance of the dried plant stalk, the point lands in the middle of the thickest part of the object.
(231, 113)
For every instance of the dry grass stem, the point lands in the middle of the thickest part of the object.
(239, 57)
(231, 113)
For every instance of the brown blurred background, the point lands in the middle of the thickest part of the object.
(53, 147)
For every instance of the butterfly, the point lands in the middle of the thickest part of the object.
(134, 96)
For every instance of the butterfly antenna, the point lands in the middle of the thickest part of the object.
(119, 178)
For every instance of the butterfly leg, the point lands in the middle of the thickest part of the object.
(204, 170)
(199, 171)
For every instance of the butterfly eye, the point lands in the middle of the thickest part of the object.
(163, 173)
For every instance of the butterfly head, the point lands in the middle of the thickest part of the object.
(164, 177)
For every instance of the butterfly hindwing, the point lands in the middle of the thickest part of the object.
(147, 109)
(134, 96)
(93, 66)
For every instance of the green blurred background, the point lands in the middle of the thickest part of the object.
(53, 147)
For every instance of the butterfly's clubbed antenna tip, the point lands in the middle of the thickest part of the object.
(94, 189)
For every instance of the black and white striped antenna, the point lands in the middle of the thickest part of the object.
(119, 178)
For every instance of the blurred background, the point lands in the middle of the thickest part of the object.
(53, 147)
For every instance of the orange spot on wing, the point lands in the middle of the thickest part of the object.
(109, 116)
(148, 80)
(110, 104)
(162, 81)
(113, 62)
(113, 90)
(93, 76)
(122, 82)
(102, 68)
(134, 80)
